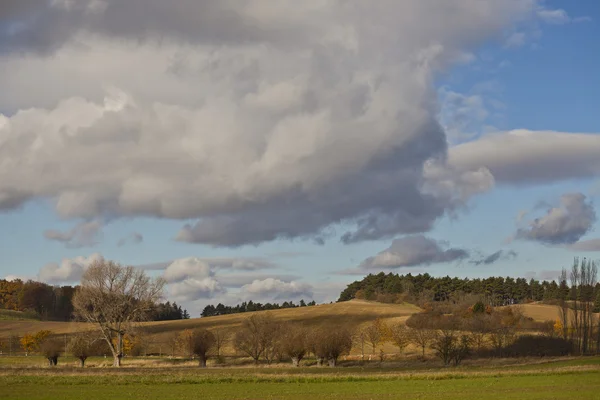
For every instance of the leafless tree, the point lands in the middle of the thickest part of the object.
(203, 343)
(329, 343)
(293, 343)
(256, 336)
(583, 279)
(564, 308)
(373, 334)
(421, 333)
(479, 329)
(399, 335)
(114, 298)
(222, 337)
(51, 349)
(81, 346)
(359, 339)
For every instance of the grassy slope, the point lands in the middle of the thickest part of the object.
(352, 313)
(10, 315)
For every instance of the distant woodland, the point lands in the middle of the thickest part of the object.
(494, 291)
(54, 303)
(221, 309)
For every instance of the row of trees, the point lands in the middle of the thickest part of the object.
(250, 306)
(262, 337)
(496, 291)
(577, 306)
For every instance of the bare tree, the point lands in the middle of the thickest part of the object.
(51, 349)
(185, 343)
(359, 339)
(114, 298)
(421, 333)
(81, 346)
(400, 335)
(329, 343)
(293, 343)
(374, 335)
(256, 336)
(479, 328)
(203, 343)
(222, 337)
(564, 308)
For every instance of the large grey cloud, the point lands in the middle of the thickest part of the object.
(251, 121)
(525, 157)
(412, 251)
(563, 224)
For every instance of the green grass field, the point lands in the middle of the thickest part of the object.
(563, 379)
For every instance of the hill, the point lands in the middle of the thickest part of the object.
(159, 333)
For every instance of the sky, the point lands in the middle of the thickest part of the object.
(275, 151)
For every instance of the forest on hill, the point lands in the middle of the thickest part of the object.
(495, 291)
(249, 306)
(54, 303)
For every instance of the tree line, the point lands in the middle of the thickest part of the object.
(250, 306)
(39, 300)
(495, 291)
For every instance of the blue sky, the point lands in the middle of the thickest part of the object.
(234, 154)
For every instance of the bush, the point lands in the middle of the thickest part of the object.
(538, 346)
(51, 349)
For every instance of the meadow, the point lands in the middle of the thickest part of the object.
(524, 379)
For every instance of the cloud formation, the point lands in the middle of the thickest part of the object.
(494, 257)
(84, 234)
(521, 157)
(68, 271)
(586, 245)
(412, 251)
(276, 289)
(564, 224)
(191, 279)
(262, 122)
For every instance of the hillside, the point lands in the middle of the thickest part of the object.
(351, 313)
(542, 312)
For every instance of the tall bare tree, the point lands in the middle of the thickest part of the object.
(81, 346)
(114, 298)
(222, 337)
(203, 343)
(564, 307)
(256, 337)
(399, 335)
(293, 343)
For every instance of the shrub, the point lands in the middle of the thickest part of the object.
(51, 349)
(538, 346)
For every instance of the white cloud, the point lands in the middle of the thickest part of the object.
(276, 289)
(68, 271)
(291, 89)
(11, 278)
(84, 234)
(185, 268)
